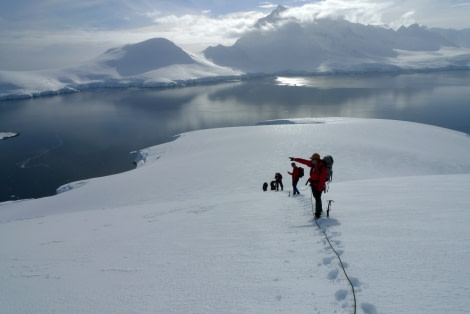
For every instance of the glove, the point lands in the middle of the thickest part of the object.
(291, 158)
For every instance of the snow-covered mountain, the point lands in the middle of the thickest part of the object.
(277, 44)
(146, 56)
(459, 37)
(151, 63)
(273, 17)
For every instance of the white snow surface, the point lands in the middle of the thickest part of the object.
(191, 231)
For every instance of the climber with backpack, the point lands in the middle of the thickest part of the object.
(278, 178)
(319, 175)
(297, 173)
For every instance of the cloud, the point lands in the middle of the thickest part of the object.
(226, 26)
(357, 11)
(393, 13)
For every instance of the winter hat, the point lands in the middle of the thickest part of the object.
(315, 156)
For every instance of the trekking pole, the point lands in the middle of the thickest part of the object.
(329, 208)
(311, 200)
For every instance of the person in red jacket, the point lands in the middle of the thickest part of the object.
(318, 173)
(295, 177)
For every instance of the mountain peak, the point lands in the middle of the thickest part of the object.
(273, 17)
(134, 59)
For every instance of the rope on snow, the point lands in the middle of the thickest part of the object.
(337, 255)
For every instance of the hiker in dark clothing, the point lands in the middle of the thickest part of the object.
(318, 174)
(278, 178)
(295, 177)
(273, 185)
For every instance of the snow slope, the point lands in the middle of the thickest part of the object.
(190, 230)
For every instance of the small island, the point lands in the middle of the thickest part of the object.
(7, 135)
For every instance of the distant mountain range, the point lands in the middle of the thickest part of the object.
(338, 45)
(275, 45)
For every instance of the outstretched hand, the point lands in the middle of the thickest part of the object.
(291, 158)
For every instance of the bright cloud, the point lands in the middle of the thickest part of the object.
(354, 11)
(227, 26)
(386, 12)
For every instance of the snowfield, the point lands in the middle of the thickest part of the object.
(191, 231)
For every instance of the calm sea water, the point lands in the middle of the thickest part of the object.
(89, 134)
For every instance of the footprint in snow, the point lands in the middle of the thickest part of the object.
(332, 275)
(327, 260)
(341, 295)
(368, 308)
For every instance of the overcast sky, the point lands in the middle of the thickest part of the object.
(40, 34)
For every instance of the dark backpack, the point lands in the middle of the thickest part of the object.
(273, 185)
(301, 172)
(328, 162)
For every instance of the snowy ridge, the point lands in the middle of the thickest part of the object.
(190, 230)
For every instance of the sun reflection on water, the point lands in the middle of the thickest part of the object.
(292, 81)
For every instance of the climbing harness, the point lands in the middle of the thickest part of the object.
(331, 246)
